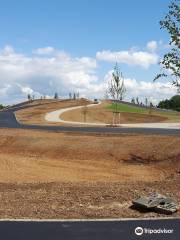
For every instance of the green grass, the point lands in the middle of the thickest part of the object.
(135, 109)
(127, 108)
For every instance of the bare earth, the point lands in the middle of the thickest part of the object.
(65, 175)
(100, 114)
(36, 113)
(97, 114)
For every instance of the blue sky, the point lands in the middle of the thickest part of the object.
(85, 36)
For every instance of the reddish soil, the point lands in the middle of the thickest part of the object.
(96, 114)
(36, 113)
(81, 200)
(100, 114)
(58, 175)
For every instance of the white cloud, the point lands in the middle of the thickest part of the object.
(8, 50)
(20, 75)
(152, 46)
(154, 91)
(44, 51)
(62, 73)
(138, 58)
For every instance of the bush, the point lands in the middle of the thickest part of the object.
(173, 103)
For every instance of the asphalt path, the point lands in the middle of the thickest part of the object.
(8, 120)
(90, 230)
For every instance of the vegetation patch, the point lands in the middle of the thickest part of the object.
(127, 108)
(121, 107)
(173, 103)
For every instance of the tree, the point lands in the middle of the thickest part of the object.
(77, 95)
(74, 96)
(116, 89)
(84, 112)
(137, 100)
(29, 97)
(1, 106)
(173, 103)
(70, 95)
(150, 107)
(146, 102)
(56, 95)
(133, 100)
(171, 60)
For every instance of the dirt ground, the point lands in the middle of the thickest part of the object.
(97, 114)
(36, 113)
(65, 175)
(100, 114)
(81, 200)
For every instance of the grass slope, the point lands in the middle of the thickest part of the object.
(127, 108)
(172, 116)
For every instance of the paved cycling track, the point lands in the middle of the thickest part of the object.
(8, 120)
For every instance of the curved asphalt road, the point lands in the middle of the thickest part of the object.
(8, 120)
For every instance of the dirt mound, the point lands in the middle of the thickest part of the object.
(36, 156)
(97, 114)
(56, 175)
(36, 113)
(101, 115)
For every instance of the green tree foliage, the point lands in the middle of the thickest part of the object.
(1, 106)
(173, 103)
(171, 60)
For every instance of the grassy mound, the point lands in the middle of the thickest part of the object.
(127, 108)
(122, 107)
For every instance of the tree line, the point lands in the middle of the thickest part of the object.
(73, 96)
(147, 103)
(172, 103)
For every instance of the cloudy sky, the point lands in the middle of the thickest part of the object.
(72, 45)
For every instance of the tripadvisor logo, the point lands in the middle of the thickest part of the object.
(139, 231)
